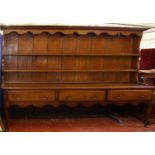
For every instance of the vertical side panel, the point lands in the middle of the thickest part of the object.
(1, 99)
(135, 61)
(136, 44)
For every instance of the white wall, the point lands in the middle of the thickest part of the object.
(80, 12)
(148, 40)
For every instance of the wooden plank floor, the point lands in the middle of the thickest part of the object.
(97, 124)
(79, 119)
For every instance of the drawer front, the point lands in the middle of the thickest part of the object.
(82, 95)
(31, 96)
(130, 95)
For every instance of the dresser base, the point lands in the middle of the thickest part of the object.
(87, 96)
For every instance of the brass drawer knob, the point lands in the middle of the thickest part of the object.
(118, 97)
(68, 97)
(93, 98)
(44, 97)
(142, 96)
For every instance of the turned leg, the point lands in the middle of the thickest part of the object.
(5, 110)
(6, 117)
(147, 114)
(147, 110)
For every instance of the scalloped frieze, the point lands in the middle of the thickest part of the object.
(70, 32)
(43, 104)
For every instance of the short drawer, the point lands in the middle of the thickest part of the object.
(81, 95)
(31, 96)
(130, 95)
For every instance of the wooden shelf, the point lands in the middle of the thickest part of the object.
(74, 86)
(61, 82)
(71, 71)
(105, 54)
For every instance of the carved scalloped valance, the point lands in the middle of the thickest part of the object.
(80, 32)
(67, 30)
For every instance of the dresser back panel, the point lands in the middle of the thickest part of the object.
(72, 58)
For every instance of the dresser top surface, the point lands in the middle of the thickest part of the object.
(76, 86)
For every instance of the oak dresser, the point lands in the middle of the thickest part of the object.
(72, 65)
